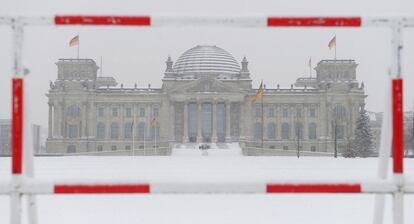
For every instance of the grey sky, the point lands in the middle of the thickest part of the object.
(138, 54)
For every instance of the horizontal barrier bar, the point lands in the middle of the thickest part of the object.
(101, 189)
(314, 21)
(313, 188)
(103, 20)
(93, 187)
(218, 21)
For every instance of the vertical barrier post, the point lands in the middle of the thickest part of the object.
(17, 123)
(397, 125)
(384, 153)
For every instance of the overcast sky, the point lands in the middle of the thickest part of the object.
(137, 55)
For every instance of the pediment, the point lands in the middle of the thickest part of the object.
(206, 85)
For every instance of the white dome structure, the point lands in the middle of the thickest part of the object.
(204, 59)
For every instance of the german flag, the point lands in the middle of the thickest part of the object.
(153, 122)
(74, 41)
(259, 94)
(332, 43)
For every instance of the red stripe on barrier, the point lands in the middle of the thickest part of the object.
(104, 20)
(102, 189)
(397, 125)
(313, 188)
(314, 21)
(17, 125)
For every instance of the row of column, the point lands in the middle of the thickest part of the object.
(214, 122)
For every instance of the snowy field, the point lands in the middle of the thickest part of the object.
(203, 209)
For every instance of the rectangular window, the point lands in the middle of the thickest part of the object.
(312, 112)
(114, 112)
(73, 131)
(127, 147)
(128, 129)
(298, 112)
(113, 148)
(100, 148)
(155, 112)
(142, 112)
(128, 112)
(285, 147)
(313, 148)
(271, 112)
(285, 112)
(101, 112)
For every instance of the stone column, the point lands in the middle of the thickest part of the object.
(62, 120)
(148, 122)
(56, 121)
(228, 137)
(50, 129)
(214, 126)
(292, 118)
(135, 109)
(121, 115)
(172, 122)
(108, 114)
(92, 119)
(185, 134)
(84, 118)
(306, 123)
(199, 122)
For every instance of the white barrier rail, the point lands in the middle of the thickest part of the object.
(22, 183)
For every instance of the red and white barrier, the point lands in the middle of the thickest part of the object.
(22, 182)
(123, 187)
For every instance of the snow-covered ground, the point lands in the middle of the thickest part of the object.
(200, 209)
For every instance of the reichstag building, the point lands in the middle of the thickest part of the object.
(205, 98)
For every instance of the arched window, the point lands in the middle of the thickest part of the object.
(271, 131)
(128, 130)
(312, 131)
(257, 131)
(71, 149)
(339, 112)
(114, 130)
(299, 130)
(285, 131)
(141, 130)
(73, 111)
(100, 131)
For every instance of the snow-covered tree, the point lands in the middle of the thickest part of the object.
(349, 151)
(362, 144)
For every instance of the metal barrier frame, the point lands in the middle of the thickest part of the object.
(23, 182)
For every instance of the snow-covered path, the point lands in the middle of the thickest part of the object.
(202, 209)
(219, 149)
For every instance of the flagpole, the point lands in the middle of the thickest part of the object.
(133, 134)
(262, 115)
(145, 136)
(155, 137)
(78, 44)
(335, 46)
(310, 67)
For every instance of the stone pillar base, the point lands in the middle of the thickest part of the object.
(228, 139)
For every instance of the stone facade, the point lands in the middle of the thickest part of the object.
(205, 97)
